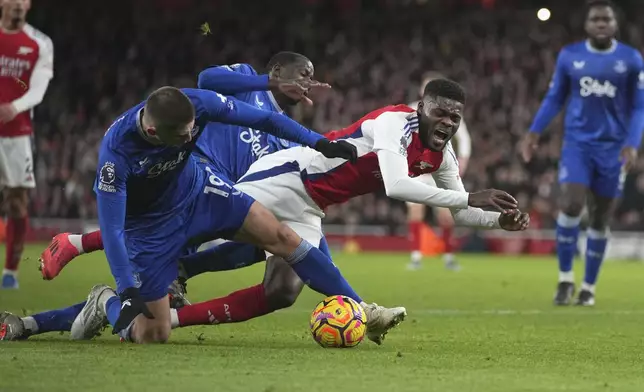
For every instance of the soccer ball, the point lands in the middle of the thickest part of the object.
(338, 321)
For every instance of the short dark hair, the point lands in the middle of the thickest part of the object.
(445, 88)
(590, 4)
(285, 58)
(169, 107)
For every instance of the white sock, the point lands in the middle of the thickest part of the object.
(448, 257)
(77, 241)
(567, 276)
(30, 324)
(416, 256)
(588, 287)
(174, 319)
(10, 272)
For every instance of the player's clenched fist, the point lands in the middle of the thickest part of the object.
(493, 198)
(337, 149)
(514, 220)
(131, 306)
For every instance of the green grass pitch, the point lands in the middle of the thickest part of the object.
(490, 327)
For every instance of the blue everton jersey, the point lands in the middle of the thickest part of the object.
(605, 94)
(232, 149)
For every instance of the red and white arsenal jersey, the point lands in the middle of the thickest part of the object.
(22, 54)
(393, 128)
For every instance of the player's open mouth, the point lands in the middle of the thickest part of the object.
(440, 135)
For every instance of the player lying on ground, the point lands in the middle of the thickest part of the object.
(603, 82)
(416, 212)
(304, 259)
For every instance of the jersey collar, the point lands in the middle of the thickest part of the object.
(613, 47)
(139, 128)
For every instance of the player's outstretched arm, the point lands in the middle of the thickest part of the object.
(551, 105)
(448, 177)
(233, 79)
(231, 111)
(110, 187)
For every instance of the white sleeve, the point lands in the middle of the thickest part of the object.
(447, 177)
(40, 77)
(464, 141)
(390, 144)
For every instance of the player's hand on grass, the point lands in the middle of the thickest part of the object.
(297, 88)
(337, 149)
(628, 157)
(132, 305)
(528, 145)
(514, 220)
(7, 113)
(493, 198)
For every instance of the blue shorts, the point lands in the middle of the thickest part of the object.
(217, 210)
(599, 170)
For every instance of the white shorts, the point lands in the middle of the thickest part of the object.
(275, 182)
(16, 162)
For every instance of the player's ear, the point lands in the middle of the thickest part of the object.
(276, 70)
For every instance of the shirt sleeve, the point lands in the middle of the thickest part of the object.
(232, 111)
(555, 97)
(447, 177)
(111, 193)
(636, 125)
(40, 77)
(233, 79)
(390, 143)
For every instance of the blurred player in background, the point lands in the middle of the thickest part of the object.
(26, 66)
(416, 212)
(603, 81)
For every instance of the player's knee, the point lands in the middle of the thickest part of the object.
(599, 221)
(16, 202)
(286, 236)
(572, 207)
(156, 333)
(282, 286)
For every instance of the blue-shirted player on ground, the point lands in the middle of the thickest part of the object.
(150, 191)
(603, 81)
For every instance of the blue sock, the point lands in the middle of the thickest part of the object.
(224, 257)
(57, 320)
(113, 309)
(595, 249)
(567, 238)
(319, 272)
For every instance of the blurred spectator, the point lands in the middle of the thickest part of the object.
(373, 53)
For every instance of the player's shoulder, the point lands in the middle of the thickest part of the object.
(578, 47)
(121, 133)
(243, 68)
(627, 50)
(41, 38)
(396, 113)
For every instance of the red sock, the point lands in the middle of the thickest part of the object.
(16, 232)
(92, 241)
(239, 306)
(415, 229)
(447, 239)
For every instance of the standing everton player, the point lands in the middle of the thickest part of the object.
(603, 81)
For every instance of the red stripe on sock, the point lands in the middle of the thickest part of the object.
(16, 232)
(415, 230)
(92, 241)
(239, 306)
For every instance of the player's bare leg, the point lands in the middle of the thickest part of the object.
(16, 202)
(600, 211)
(63, 248)
(571, 203)
(415, 216)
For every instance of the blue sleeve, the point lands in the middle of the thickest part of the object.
(231, 111)
(636, 125)
(111, 201)
(554, 99)
(231, 80)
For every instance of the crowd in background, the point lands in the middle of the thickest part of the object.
(373, 53)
